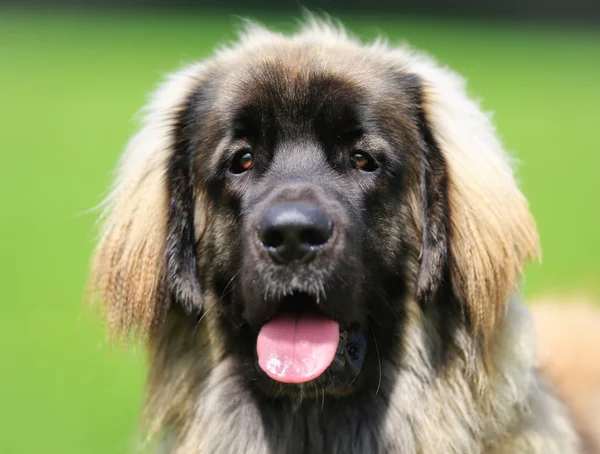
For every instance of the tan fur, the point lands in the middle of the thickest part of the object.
(128, 267)
(569, 355)
(493, 231)
(195, 395)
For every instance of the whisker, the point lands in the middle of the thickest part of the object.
(353, 380)
(204, 315)
(281, 385)
(224, 293)
(228, 284)
(385, 300)
(378, 361)
(332, 382)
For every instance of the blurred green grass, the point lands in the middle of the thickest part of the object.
(70, 85)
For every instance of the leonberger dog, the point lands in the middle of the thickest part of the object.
(321, 242)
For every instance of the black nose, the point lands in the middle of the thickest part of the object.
(294, 231)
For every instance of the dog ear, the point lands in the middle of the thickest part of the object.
(434, 267)
(145, 258)
(478, 230)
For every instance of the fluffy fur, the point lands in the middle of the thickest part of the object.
(569, 355)
(429, 259)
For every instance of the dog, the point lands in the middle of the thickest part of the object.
(569, 357)
(321, 244)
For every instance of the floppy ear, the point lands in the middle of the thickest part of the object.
(145, 258)
(435, 254)
(478, 231)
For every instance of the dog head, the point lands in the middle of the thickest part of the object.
(295, 191)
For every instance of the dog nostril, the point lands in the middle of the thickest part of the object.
(315, 236)
(294, 231)
(272, 238)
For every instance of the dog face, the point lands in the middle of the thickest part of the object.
(310, 186)
(292, 194)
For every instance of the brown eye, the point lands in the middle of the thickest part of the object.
(363, 161)
(241, 162)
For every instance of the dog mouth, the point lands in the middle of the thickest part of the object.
(301, 342)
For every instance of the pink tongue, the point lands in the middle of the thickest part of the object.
(297, 348)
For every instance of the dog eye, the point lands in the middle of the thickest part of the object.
(363, 161)
(242, 162)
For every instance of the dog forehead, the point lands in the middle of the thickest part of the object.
(294, 83)
(296, 79)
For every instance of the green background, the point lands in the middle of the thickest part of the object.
(70, 85)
